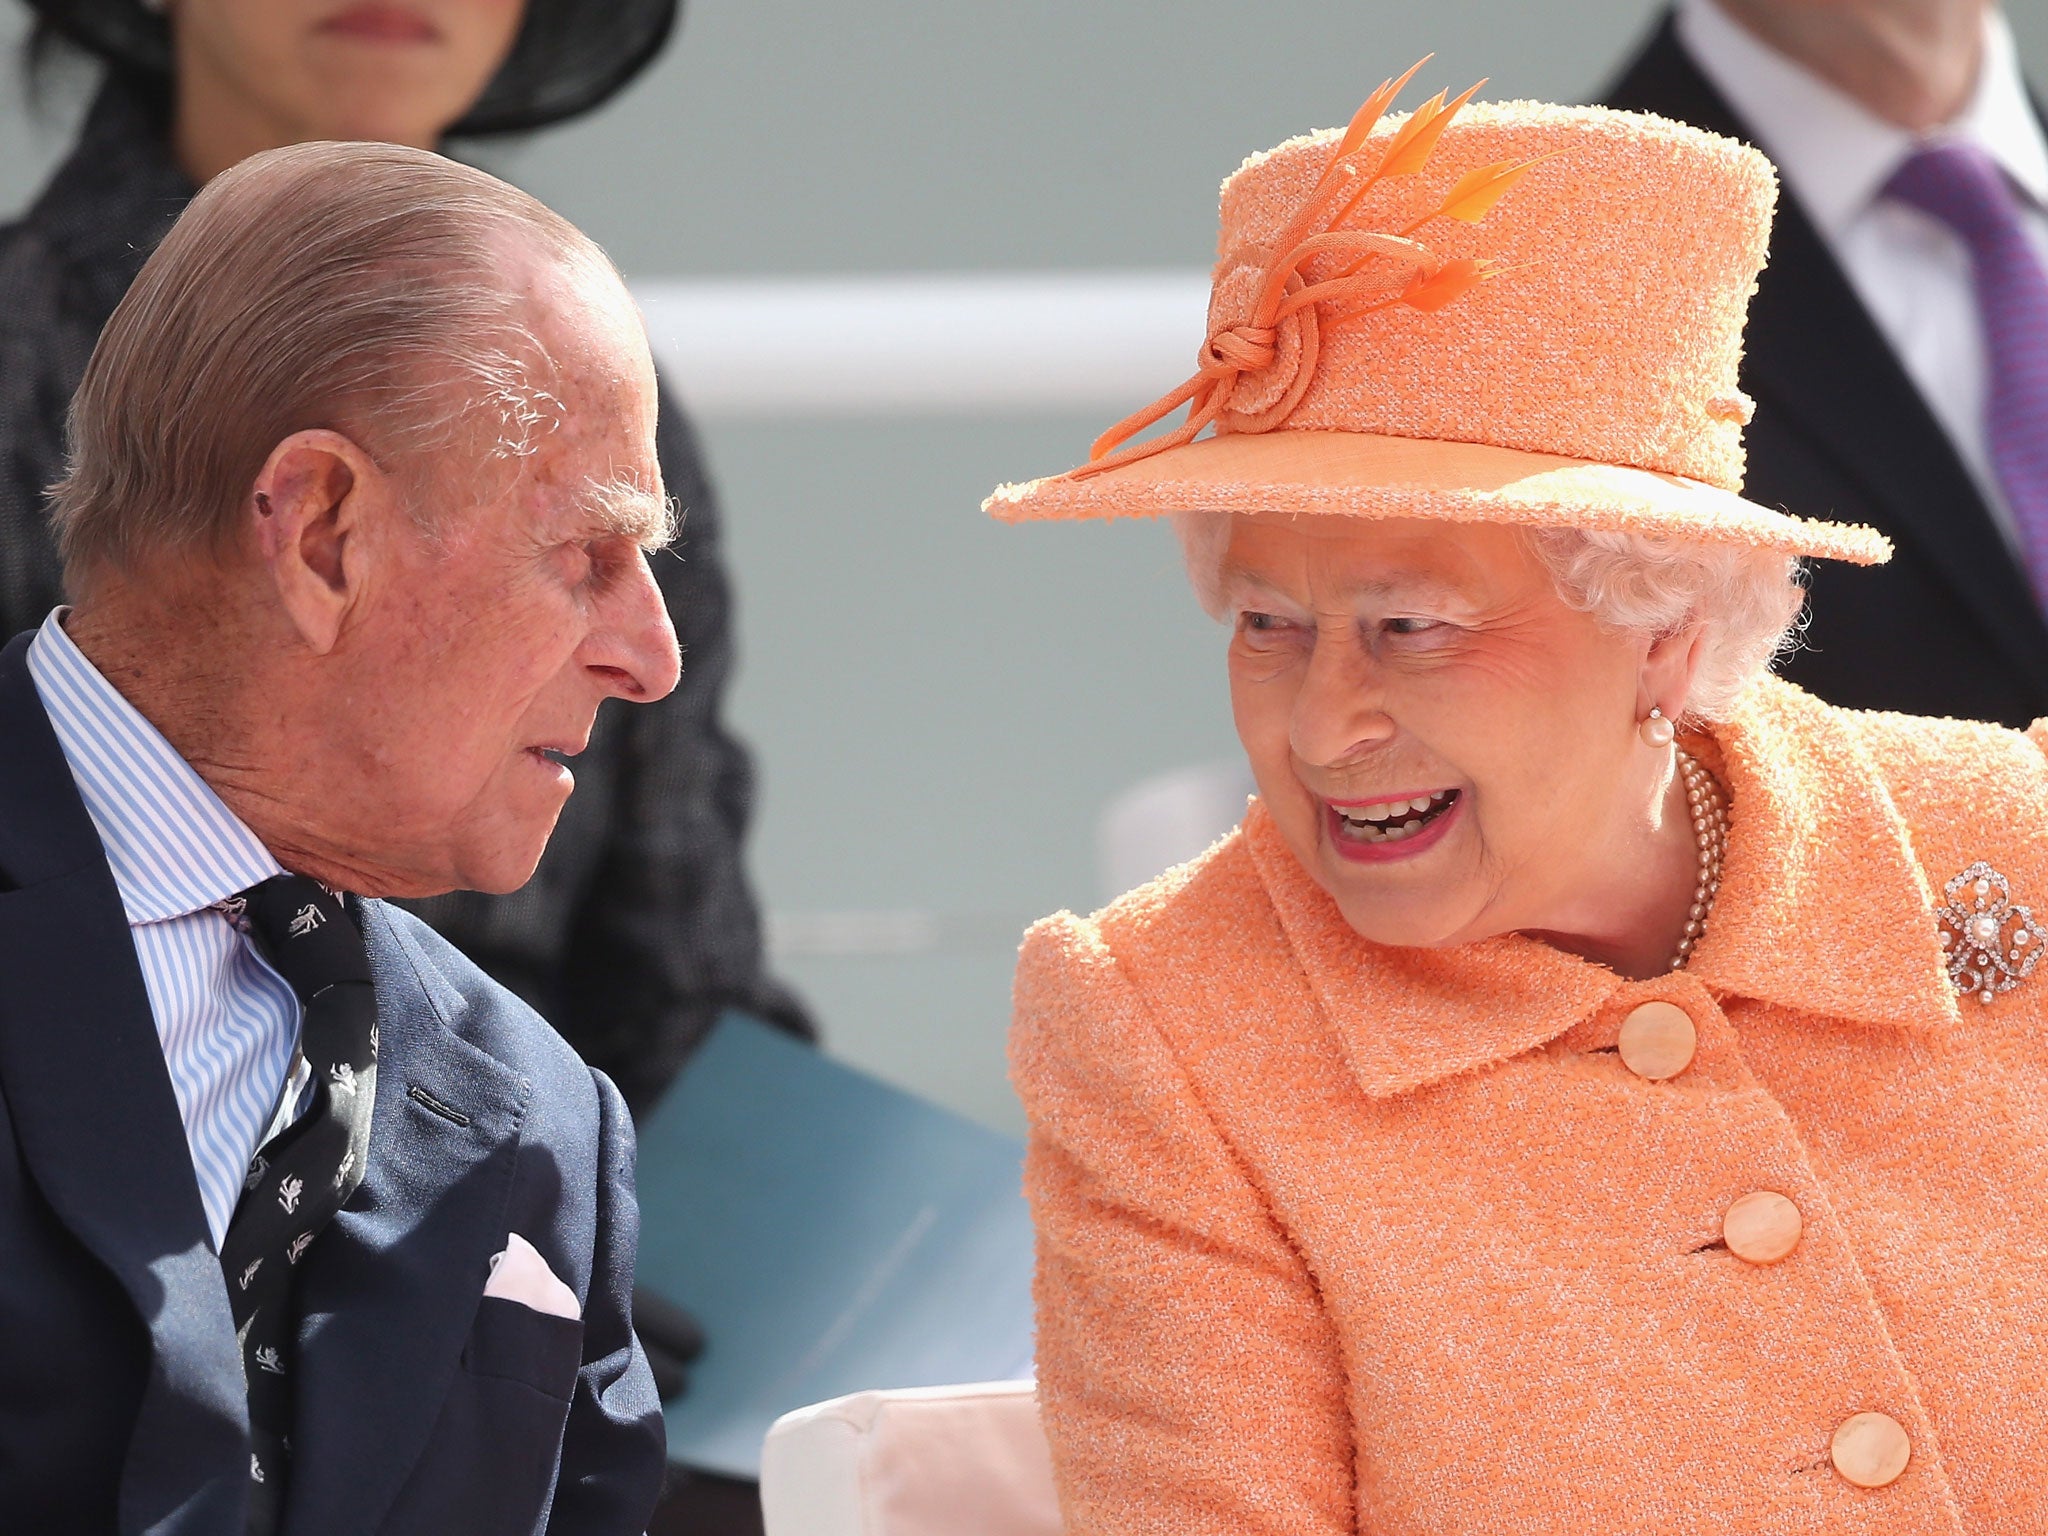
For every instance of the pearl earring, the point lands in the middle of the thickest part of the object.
(1657, 731)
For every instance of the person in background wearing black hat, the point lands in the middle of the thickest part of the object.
(639, 928)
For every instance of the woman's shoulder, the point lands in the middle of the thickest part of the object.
(1113, 1011)
(1133, 959)
(1908, 751)
(1921, 755)
(1184, 909)
(1964, 790)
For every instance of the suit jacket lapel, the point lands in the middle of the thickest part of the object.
(1817, 359)
(99, 1125)
(391, 1289)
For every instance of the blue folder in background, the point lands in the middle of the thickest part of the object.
(830, 1233)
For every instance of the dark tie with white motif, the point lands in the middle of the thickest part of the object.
(304, 1173)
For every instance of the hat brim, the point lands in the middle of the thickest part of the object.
(1360, 474)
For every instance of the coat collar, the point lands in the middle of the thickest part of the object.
(391, 1288)
(1823, 910)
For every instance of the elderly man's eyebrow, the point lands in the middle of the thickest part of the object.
(626, 509)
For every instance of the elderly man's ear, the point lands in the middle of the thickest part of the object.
(317, 507)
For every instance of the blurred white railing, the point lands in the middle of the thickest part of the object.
(898, 931)
(940, 345)
(931, 344)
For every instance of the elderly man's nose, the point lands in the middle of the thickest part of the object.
(635, 645)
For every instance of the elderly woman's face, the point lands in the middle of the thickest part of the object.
(395, 70)
(1446, 746)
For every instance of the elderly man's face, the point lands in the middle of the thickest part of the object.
(1446, 746)
(480, 658)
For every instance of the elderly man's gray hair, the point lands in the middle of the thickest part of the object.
(1745, 600)
(355, 287)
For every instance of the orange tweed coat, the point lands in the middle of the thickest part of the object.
(1341, 1238)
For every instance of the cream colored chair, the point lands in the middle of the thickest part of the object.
(926, 1461)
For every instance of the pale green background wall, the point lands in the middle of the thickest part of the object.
(940, 706)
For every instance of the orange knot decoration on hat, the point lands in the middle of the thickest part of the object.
(1509, 312)
(1264, 329)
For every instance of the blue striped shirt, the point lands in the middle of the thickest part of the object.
(228, 1023)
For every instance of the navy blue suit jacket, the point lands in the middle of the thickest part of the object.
(422, 1406)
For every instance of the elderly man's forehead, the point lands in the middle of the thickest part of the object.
(571, 298)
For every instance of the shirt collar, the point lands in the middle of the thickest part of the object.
(2001, 116)
(1834, 154)
(1823, 910)
(173, 847)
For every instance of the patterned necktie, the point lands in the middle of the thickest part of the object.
(1962, 186)
(304, 1173)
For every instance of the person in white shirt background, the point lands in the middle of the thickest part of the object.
(1886, 354)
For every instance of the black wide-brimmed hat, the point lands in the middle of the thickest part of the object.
(569, 57)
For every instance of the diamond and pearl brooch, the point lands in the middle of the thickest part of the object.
(1992, 944)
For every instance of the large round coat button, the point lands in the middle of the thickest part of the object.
(1762, 1227)
(1871, 1449)
(1658, 1040)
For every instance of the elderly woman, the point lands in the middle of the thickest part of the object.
(1599, 1087)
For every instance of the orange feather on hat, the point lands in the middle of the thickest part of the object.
(1354, 366)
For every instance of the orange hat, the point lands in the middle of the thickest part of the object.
(1509, 313)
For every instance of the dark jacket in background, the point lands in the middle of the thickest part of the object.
(638, 929)
(1950, 627)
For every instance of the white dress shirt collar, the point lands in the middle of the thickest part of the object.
(1833, 152)
(172, 845)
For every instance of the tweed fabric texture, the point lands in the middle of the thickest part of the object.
(1608, 347)
(1337, 1238)
(639, 928)
(1617, 336)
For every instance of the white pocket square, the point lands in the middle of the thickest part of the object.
(520, 1274)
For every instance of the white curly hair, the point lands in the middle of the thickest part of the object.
(1747, 601)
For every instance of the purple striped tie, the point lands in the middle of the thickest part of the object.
(1961, 186)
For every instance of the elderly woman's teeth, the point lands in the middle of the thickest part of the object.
(1388, 821)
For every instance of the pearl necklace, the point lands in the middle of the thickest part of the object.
(1708, 807)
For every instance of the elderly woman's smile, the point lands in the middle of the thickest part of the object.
(1390, 827)
(1446, 743)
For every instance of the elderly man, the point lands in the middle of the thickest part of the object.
(308, 1226)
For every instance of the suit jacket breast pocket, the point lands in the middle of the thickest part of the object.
(489, 1467)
